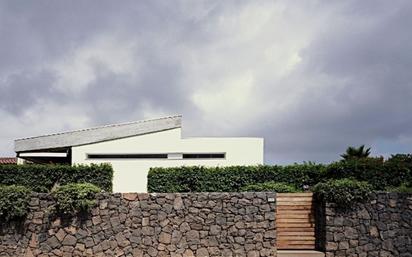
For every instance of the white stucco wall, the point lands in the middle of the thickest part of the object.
(131, 174)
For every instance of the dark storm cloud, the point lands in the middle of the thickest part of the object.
(365, 97)
(47, 31)
(220, 64)
(24, 89)
(158, 86)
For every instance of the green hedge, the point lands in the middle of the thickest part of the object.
(42, 178)
(14, 202)
(380, 174)
(377, 172)
(404, 188)
(231, 179)
(270, 186)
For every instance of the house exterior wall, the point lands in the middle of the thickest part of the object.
(130, 175)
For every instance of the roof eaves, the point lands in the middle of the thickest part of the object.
(97, 134)
(102, 127)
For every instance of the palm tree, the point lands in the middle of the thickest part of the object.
(356, 152)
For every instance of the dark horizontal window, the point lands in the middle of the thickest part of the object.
(127, 156)
(203, 156)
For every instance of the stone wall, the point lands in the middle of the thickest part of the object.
(381, 227)
(149, 225)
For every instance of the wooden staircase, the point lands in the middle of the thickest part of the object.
(295, 221)
(299, 253)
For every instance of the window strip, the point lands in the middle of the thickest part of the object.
(158, 156)
(127, 156)
(203, 156)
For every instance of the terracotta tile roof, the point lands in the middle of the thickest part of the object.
(8, 160)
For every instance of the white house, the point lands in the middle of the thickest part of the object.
(132, 148)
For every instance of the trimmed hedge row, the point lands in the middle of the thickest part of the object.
(378, 173)
(270, 186)
(231, 179)
(42, 178)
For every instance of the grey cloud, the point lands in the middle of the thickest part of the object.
(24, 89)
(353, 79)
(367, 62)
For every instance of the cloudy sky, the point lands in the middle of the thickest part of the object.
(311, 77)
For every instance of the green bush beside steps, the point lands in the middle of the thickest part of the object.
(343, 192)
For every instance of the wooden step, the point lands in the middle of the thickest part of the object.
(297, 253)
(294, 221)
(294, 199)
(286, 229)
(287, 203)
(295, 225)
(294, 247)
(293, 207)
(296, 238)
(294, 215)
(295, 233)
(281, 240)
(294, 194)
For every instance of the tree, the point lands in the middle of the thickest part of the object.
(356, 152)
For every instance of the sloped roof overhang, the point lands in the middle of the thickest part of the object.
(97, 134)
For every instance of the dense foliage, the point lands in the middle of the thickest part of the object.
(231, 179)
(270, 186)
(377, 172)
(404, 188)
(380, 174)
(343, 192)
(42, 178)
(72, 199)
(14, 202)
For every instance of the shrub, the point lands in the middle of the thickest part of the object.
(399, 167)
(343, 192)
(365, 169)
(378, 173)
(14, 202)
(42, 178)
(400, 189)
(231, 179)
(303, 176)
(72, 199)
(402, 159)
(270, 186)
